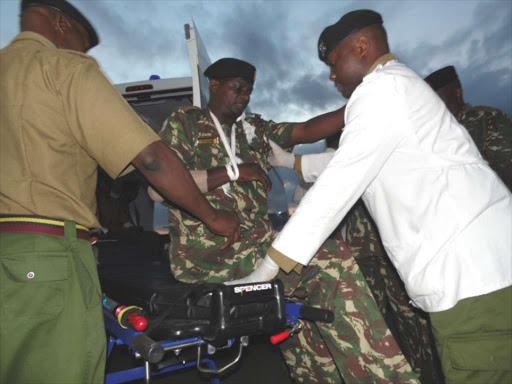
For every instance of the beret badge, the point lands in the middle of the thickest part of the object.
(322, 49)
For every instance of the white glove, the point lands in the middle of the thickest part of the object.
(279, 157)
(267, 270)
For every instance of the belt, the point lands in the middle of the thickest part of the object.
(39, 224)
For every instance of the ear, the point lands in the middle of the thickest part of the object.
(362, 45)
(458, 92)
(62, 24)
(214, 85)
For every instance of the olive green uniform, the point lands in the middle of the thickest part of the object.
(60, 117)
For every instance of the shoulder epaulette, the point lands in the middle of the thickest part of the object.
(190, 108)
(185, 109)
(485, 108)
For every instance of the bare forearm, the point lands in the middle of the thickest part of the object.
(319, 127)
(199, 178)
(167, 173)
(213, 178)
(216, 177)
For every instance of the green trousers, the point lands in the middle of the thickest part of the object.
(51, 320)
(474, 339)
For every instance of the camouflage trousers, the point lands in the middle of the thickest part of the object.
(357, 347)
(409, 325)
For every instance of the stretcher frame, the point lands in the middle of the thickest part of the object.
(151, 352)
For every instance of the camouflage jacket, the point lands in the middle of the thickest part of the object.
(491, 131)
(191, 133)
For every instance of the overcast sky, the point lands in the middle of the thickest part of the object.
(140, 38)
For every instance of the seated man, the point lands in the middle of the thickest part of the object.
(490, 128)
(227, 152)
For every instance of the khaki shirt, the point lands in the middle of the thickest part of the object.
(60, 117)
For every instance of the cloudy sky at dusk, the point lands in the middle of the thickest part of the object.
(140, 38)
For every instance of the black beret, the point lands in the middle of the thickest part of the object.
(68, 9)
(229, 67)
(442, 77)
(349, 24)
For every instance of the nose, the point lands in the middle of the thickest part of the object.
(332, 76)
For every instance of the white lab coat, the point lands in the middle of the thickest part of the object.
(444, 216)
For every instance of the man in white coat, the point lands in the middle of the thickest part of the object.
(444, 216)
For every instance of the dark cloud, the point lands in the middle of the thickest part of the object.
(138, 39)
(279, 37)
(290, 75)
(481, 53)
(283, 49)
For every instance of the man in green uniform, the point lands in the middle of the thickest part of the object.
(227, 153)
(490, 128)
(61, 117)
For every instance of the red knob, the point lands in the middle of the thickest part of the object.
(279, 337)
(140, 323)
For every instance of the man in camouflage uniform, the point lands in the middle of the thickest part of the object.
(409, 325)
(358, 347)
(490, 128)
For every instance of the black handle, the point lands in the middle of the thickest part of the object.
(149, 350)
(316, 314)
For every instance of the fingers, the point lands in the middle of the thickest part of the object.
(238, 235)
(253, 172)
(278, 157)
(227, 244)
(265, 180)
(272, 160)
(273, 156)
(262, 177)
(233, 238)
(274, 146)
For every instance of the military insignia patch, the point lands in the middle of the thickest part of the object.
(208, 140)
(322, 48)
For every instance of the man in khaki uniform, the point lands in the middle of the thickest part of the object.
(60, 117)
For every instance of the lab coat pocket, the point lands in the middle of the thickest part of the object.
(34, 284)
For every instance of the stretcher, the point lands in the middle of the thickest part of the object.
(181, 325)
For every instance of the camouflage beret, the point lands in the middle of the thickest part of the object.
(442, 77)
(68, 9)
(349, 24)
(229, 67)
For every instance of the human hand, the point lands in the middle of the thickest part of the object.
(279, 157)
(253, 172)
(267, 270)
(225, 224)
